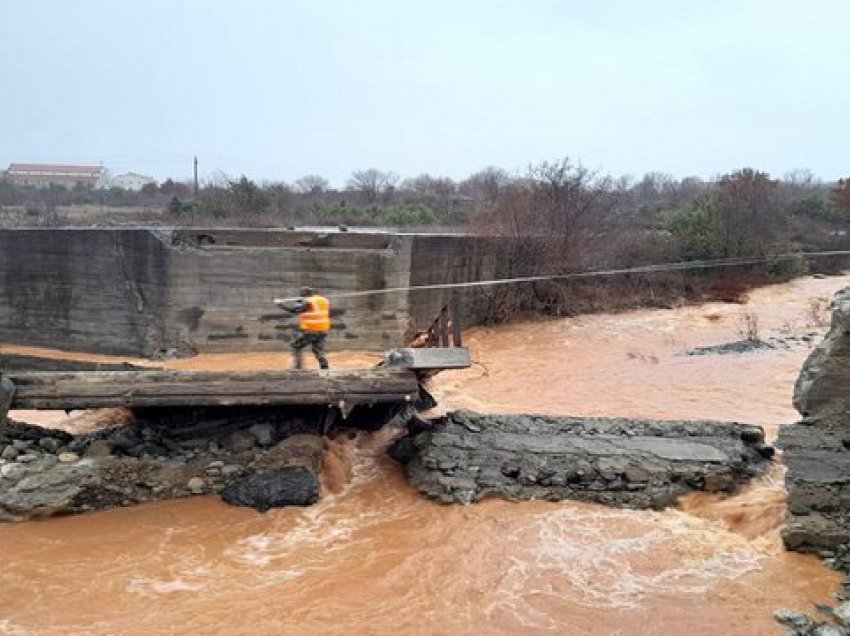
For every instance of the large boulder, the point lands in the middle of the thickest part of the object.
(41, 488)
(822, 389)
(274, 489)
(817, 449)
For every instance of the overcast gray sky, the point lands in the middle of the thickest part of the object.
(276, 90)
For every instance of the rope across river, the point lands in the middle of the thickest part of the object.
(641, 269)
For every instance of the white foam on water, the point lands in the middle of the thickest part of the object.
(152, 587)
(8, 628)
(616, 559)
(319, 530)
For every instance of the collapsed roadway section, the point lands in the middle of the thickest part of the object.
(258, 439)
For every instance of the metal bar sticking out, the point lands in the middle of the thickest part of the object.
(457, 320)
(444, 327)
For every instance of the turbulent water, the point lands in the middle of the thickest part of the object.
(373, 557)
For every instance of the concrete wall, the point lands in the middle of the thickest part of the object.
(140, 291)
(222, 286)
(92, 290)
(439, 259)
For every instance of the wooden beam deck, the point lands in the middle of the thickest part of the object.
(394, 382)
(94, 389)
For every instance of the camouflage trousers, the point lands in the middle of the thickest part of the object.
(316, 341)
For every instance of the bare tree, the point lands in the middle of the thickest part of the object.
(572, 206)
(486, 185)
(372, 183)
(840, 196)
(436, 192)
(552, 221)
(802, 178)
(312, 184)
(746, 207)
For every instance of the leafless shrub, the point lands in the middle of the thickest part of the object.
(749, 327)
(649, 358)
(549, 222)
(818, 312)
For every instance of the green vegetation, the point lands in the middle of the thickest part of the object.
(375, 215)
(697, 231)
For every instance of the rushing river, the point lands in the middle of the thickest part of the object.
(373, 557)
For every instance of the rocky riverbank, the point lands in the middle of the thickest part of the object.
(465, 457)
(817, 453)
(817, 449)
(261, 463)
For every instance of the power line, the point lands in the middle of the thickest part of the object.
(643, 269)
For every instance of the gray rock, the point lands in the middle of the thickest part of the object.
(7, 391)
(99, 448)
(827, 629)
(817, 449)
(22, 444)
(842, 613)
(230, 469)
(240, 441)
(793, 619)
(47, 461)
(44, 493)
(196, 485)
(10, 453)
(50, 444)
(263, 433)
(26, 458)
(274, 489)
(13, 472)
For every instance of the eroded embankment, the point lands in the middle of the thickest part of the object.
(260, 462)
(267, 459)
(465, 457)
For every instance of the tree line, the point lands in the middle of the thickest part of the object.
(583, 215)
(555, 217)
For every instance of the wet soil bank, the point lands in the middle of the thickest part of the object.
(253, 457)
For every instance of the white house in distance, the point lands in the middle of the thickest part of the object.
(131, 181)
(44, 175)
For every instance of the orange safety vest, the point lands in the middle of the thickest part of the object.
(317, 317)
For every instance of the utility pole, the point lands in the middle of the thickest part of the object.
(196, 175)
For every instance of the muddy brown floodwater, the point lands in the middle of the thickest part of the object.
(373, 557)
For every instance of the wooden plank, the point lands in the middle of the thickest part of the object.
(173, 388)
(153, 375)
(289, 377)
(319, 399)
(201, 385)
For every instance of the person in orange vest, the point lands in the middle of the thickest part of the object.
(314, 323)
